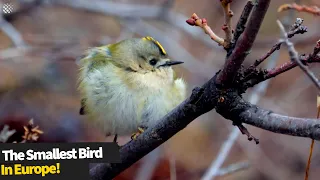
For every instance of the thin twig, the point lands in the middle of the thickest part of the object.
(295, 58)
(228, 14)
(296, 28)
(194, 20)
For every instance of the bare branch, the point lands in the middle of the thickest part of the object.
(295, 58)
(235, 60)
(241, 25)
(270, 73)
(296, 28)
(227, 22)
(194, 20)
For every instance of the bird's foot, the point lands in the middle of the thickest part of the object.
(115, 138)
(135, 135)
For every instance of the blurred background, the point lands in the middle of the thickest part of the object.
(40, 40)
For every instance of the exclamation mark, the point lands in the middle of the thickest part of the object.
(58, 168)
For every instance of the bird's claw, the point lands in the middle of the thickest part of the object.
(134, 136)
(115, 139)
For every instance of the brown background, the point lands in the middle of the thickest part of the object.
(40, 83)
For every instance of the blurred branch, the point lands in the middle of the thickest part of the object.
(295, 57)
(213, 170)
(11, 32)
(233, 168)
(173, 169)
(301, 8)
(12, 53)
(149, 164)
(5, 134)
(140, 11)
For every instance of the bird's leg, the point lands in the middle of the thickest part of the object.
(115, 138)
(140, 131)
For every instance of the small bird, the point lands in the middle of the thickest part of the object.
(128, 86)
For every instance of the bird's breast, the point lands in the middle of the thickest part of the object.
(121, 102)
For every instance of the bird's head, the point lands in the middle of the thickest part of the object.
(141, 55)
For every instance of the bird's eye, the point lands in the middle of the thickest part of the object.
(153, 62)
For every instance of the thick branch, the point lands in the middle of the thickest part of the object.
(265, 119)
(235, 60)
(202, 100)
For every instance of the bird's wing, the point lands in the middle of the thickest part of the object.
(91, 58)
(94, 53)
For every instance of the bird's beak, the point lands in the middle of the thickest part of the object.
(171, 63)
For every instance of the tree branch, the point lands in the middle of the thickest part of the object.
(295, 57)
(201, 101)
(242, 48)
(270, 73)
(241, 25)
(227, 22)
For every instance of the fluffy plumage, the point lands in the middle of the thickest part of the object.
(122, 89)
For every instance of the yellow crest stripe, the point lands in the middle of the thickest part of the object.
(156, 42)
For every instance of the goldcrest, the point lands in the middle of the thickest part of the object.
(128, 86)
